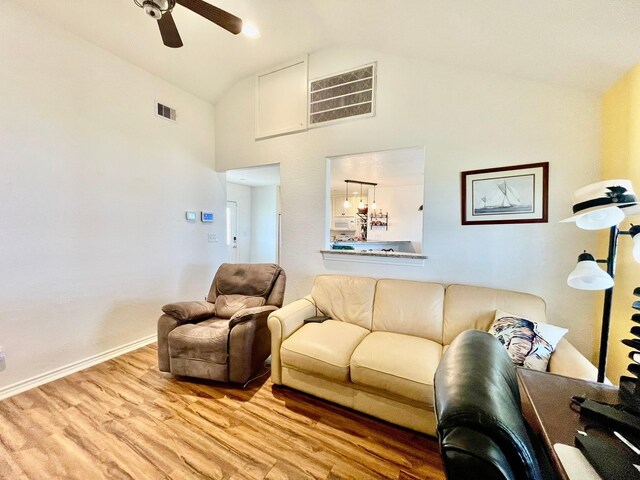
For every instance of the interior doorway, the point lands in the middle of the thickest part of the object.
(256, 195)
(232, 232)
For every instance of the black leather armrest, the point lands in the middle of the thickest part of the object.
(465, 451)
(476, 388)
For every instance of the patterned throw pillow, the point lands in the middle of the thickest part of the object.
(529, 344)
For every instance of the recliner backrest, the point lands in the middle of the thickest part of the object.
(237, 286)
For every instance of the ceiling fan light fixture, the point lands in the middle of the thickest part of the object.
(155, 8)
(153, 11)
(160, 10)
(250, 30)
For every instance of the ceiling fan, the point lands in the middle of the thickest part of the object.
(161, 11)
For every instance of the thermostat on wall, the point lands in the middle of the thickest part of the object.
(191, 216)
(206, 217)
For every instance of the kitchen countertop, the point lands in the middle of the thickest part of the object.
(361, 242)
(399, 246)
(366, 253)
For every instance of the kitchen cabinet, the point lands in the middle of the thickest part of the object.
(337, 205)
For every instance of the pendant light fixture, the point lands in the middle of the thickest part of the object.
(361, 203)
(373, 204)
(346, 195)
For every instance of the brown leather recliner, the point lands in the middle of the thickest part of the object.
(226, 337)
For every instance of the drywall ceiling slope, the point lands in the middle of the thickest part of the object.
(585, 44)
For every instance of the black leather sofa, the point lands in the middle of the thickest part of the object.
(481, 431)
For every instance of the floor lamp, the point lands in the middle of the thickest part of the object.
(598, 206)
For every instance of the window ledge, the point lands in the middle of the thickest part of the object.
(388, 258)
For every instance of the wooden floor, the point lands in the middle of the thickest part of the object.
(123, 419)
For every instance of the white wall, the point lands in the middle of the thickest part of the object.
(93, 192)
(401, 202)
(264, 208)
(465, 120)
(241, 194)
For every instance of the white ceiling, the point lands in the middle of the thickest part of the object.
(391, 167)
(586, 44)
(256, 176)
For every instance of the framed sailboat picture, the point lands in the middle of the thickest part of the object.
(516, 194)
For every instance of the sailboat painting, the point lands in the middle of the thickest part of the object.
(503, 195)
(513, 194)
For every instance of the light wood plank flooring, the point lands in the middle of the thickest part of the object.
(123, 419)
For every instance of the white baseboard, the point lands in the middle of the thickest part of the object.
(60, 372)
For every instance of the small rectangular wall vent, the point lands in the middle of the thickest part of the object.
(166, 112)
(342, 96)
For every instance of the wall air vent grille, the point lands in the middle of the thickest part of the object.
(166, 112)
(342, 96)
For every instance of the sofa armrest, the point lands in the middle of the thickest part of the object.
(568, 361)
(186, 312)
(282, 324)
(253, 313)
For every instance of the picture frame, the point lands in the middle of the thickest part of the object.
(502, 195)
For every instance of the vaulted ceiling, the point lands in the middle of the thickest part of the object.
(585, 44)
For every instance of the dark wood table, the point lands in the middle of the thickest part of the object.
(546, 405)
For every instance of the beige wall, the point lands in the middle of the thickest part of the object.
(465, 120)
(621, 159)
(93, 192)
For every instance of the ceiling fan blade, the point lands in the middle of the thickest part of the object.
(169, 31)
(218, 16)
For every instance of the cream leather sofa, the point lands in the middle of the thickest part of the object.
(379, 351)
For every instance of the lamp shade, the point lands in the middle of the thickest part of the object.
(602, 196)
(603, 218)
(588, 275)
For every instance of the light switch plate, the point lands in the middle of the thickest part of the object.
(190, 216)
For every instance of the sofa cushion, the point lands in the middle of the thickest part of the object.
(323, 348)
(399, 364)
(349, 299)
(412, 308)
(474, 308)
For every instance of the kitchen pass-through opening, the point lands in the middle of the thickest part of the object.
(375, 201)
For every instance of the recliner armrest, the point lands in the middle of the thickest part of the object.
(190, 311)
(252, 313)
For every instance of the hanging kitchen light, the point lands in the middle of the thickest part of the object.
(373, 204)
(346, 195)
(361, 203)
